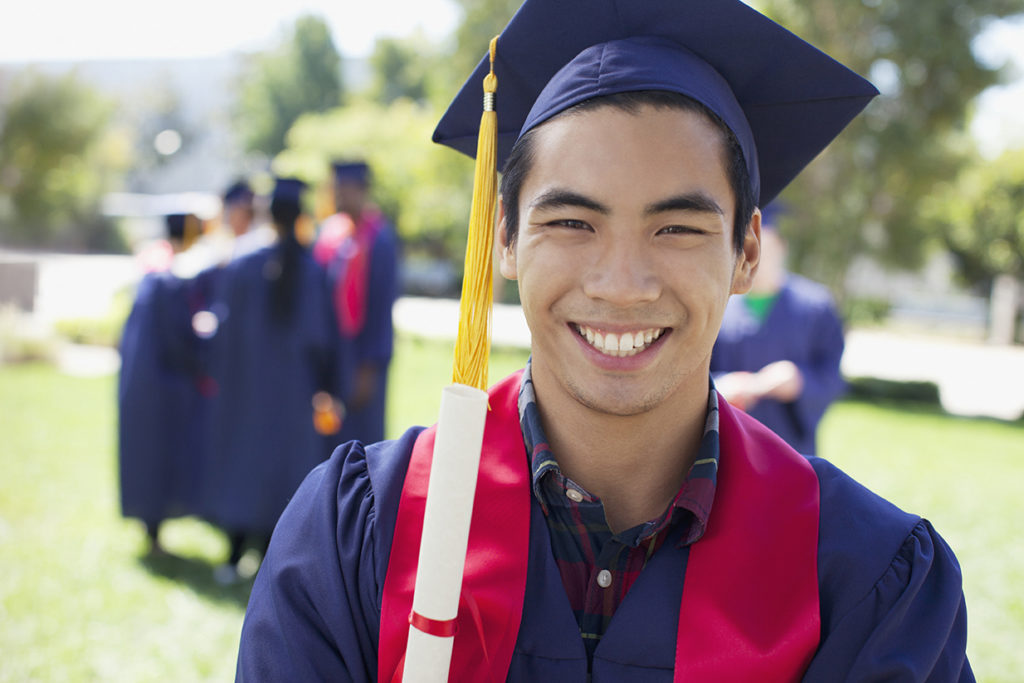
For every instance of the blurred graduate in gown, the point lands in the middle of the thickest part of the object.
(359, 249)
(274, 357)
(159, 404)
(778, 352)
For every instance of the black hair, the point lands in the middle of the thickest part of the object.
(284, 274)
(520, 159)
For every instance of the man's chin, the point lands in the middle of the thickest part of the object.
(618, 402)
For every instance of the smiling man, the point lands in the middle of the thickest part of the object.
(630, 525)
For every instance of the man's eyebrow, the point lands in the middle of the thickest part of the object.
(558, 198)
(691, 201)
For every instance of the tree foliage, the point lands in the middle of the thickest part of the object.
(866, 194)
(58, 155)
(412, 68)
(481, 21)
(302, 75)
(981, 220)
(425, 188)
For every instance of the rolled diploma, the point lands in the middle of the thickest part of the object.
(449, 507)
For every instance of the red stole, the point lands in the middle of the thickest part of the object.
(749, 609)
(351, 292)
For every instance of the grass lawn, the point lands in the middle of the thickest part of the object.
(80, 601)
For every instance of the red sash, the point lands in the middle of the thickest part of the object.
(352, 290)
(749, 609)
(499, 544)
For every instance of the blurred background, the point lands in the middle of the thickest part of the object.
(113, 113)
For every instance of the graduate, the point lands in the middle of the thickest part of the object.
(273, 355)
(160, 416)
(359, 249)
(628, 524)
(778, 353)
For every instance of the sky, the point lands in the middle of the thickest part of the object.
(72, 30)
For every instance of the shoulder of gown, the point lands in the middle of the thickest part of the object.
(892, 602)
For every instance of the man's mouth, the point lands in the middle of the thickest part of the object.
(620, 344)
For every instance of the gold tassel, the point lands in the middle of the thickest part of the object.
(473, 344)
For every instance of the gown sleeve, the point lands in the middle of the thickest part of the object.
(819, 365)
(376, 340)
(910, 625)
(314, 612)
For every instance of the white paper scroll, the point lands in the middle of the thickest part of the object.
(449, 507)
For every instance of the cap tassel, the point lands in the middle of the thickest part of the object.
(473, 344)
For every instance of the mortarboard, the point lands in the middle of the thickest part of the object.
(288, 190)
(784, 99)
(182, 226)
(351, 171)
(238, 192)
(175, 225)
(772, 214)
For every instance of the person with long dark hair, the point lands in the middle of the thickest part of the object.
(274, 358)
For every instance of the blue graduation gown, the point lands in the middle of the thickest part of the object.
(802, 327)
(159, 406)
(375, 342)
(262, 438)
(892, 606)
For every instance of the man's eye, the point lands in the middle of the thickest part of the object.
(571, 223)
(680, 230)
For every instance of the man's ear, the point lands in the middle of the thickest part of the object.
(749, 256)
(507, 252)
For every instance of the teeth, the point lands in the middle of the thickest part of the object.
(620, 345)
(611, 343)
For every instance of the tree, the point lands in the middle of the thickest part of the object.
(410, 68)
(866, 194)
(58, 155)
(303, 75)
(980, 217)
(425, 188)
(481, 21)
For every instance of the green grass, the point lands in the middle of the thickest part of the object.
(965, 476)
(80, 601)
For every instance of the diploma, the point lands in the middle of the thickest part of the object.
(449, 507)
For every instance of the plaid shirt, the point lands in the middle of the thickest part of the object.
(598, 566)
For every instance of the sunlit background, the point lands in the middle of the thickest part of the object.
(115, 112)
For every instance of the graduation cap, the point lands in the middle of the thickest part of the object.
(772, 214)
(351, 171)
(782, 98)
(182, 226)
(238, 192)
(288, 191)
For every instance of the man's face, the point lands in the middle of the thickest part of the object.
(238, 216)
(349, 197)
(625, 241)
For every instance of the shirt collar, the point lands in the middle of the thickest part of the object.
(695, 495)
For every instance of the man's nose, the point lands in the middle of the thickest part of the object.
(622, 273)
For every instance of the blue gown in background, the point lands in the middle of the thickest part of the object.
(802, 326)
(892, 606)
(266, 372)
(375, 342)
(161, 411)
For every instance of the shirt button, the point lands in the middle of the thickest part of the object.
(574, 495)
(604, 578)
